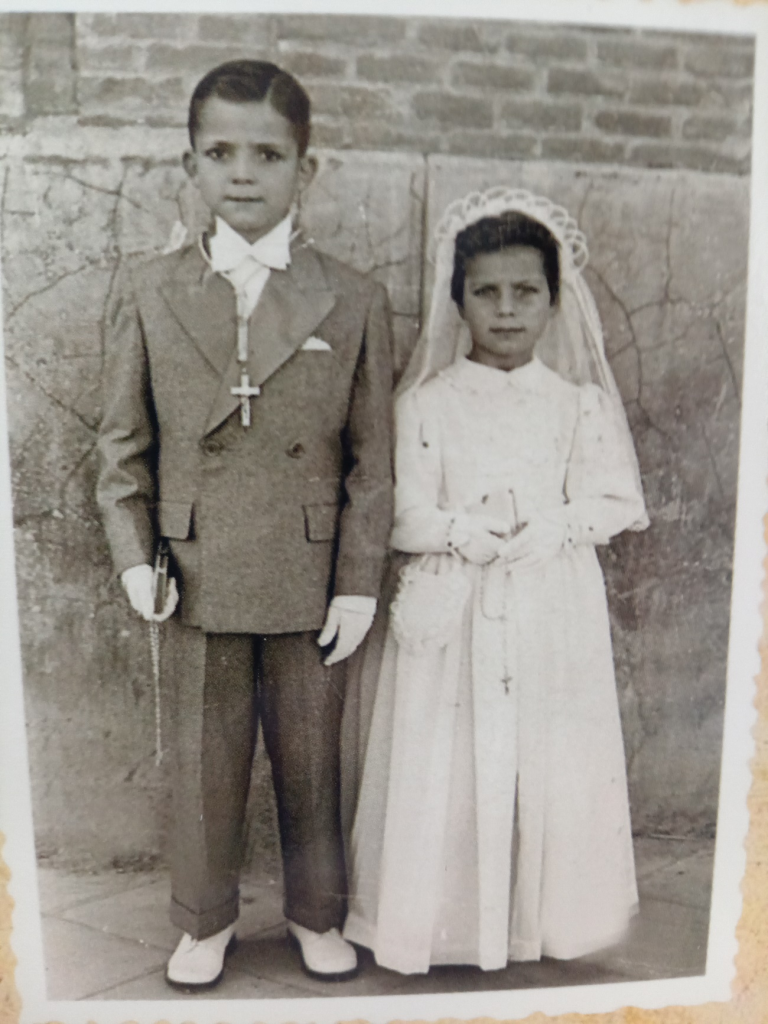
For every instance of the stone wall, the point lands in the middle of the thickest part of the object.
(84, 186)
(67, 222)
(478, 88)
(667, 269)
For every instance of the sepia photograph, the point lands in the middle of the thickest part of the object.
(381, 389)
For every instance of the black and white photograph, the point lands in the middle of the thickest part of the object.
(385, 408)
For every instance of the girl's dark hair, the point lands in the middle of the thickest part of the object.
(492, 234)
(247, 81)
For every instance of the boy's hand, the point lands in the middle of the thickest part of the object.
(348, 620)
(138, 585)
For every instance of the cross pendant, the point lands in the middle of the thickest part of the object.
(245, 393)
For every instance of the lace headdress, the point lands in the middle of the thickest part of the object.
(572, 343)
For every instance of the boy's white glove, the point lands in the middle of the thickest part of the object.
(537, 542)
(348, 620)
(477, 538)
(138, 585)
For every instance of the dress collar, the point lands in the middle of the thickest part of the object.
(533, 376)
(228, 248)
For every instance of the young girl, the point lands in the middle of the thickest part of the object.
(493, 820)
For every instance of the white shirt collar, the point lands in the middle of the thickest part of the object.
(229, 249)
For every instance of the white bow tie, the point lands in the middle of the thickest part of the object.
(230, 251)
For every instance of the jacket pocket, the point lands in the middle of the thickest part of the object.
(320, 521)
(175, 519)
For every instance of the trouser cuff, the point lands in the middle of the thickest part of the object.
(209, 922)
(317, 919)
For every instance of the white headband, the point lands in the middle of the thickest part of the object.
(499, 200)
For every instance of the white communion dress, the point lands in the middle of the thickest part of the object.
(493, 819)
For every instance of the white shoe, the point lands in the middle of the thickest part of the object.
(199, 963)
(325, 956)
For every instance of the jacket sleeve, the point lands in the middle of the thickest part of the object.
(127, 446)
(366, 517)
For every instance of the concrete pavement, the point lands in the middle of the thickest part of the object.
(107, 936)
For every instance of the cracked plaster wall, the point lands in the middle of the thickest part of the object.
(67, 221)
(668, 262)
(668, 269)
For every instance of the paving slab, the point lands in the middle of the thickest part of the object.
(60, 889)
(275, 959)
(112, 938)
(542, 974)
(82, 961)
(549, 973)
(666, 940)
(652, 853)
(140, 914)
(270, 958)
(687, 881)
(234, 985)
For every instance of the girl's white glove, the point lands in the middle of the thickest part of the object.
(138, 585)
(477, 538)
(537, 542)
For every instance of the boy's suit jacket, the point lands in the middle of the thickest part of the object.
(266, 522)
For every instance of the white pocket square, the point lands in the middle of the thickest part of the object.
(314, 344)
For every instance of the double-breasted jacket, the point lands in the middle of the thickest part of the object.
(266, 522)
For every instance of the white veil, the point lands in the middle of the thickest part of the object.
(572, 344)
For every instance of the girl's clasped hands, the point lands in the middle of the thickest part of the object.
(482, 539)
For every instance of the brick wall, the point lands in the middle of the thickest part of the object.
(480, 88)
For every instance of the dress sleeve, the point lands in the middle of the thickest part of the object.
(420, 524)
(602, 486)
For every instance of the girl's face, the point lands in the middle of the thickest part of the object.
(506, 305)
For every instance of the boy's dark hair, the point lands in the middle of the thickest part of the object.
(249, 81)
(492, 234)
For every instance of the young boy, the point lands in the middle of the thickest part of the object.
(247, 419)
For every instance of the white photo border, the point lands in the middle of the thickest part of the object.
(745, 622)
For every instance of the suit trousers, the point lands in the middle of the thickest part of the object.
(220, 686)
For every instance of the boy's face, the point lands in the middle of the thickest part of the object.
(246, 164)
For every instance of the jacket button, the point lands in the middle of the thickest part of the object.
(212, 447)
(296, 450)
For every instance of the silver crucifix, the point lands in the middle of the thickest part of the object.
(245, 393)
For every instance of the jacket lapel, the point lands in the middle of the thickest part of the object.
(293, 303)
(204, 305)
